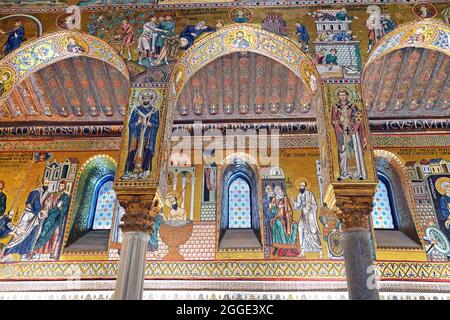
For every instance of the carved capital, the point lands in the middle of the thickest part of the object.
(140, 212)
(352, 203)
(354, 211)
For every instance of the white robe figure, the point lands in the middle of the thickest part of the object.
(39, 202)
(307, 226)
(147, 40)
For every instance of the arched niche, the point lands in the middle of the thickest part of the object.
(393, 172)
(407, 72)
(66, 76)
(239, 207)
(93, 173)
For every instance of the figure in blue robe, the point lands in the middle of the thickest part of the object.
(143, 128)
(342, 15)
(269, 214)
(388, 24)
(331, 58)
(153, 239)
(28, 227)
(302, 36)
(342, 36)
(6, 226)
(167, 27)
(15, 37)
(2, 203)
(53, 221)
(444, 204)
(191, 32)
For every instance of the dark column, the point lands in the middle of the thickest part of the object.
(360, 271)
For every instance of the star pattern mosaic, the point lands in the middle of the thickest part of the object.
(239, 204)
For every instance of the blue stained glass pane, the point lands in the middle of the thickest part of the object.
(239, 207)
(382, 210)
(104, 207)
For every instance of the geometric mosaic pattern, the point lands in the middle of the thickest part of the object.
(382, 212)
(104, 209)
(223, 270)
(239, 204)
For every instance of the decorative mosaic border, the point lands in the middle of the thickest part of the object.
(105, 144)
(51, 48)
(224, 270)
(288, 141)
(380, 141)
(230, 4)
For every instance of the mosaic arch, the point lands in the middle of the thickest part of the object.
(227, 40)
(240, 38)
(429, 33)
(406, 72)
(51, 48)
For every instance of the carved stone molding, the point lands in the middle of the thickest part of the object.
(140, 212)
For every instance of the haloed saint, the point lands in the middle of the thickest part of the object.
(143, 128)
(350, 135)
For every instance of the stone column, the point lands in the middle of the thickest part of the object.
(140, 212)
(353, 212)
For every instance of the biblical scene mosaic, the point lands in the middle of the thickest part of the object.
(90, 95)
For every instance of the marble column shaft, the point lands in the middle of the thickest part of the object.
(360, 270)
(140, 212)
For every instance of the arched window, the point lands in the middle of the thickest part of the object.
(239, 205)
(105, 203)
(383, 212)
(240, 218)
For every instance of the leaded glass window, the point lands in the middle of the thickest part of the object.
(383, 211)
(239, 204)
(104, 208)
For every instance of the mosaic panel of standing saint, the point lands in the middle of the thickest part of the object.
(347, 121)
(308, 226)
(143, 128)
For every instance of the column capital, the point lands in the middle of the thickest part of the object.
(354, 212)
(352, 203)
(140, 211)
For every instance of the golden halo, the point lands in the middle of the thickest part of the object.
(350, 94)
(439, 182)
(64, 42)
(248, 35)
(170, 194)
(306, 67)
(300, 179)
(429, 33)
